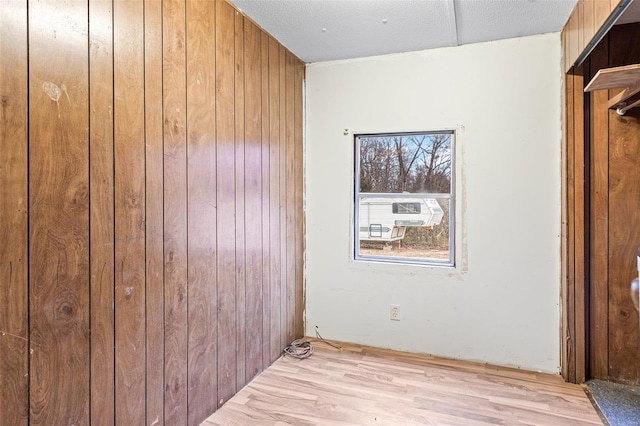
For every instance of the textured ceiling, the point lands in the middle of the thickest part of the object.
(323, 30)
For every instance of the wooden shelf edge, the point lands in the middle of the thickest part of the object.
(615, 78)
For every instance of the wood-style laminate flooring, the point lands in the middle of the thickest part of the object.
(369, 386)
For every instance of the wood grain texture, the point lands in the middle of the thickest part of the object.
(101, 161)
(290, 195)
(275, 328)
(175, 213)
(602, 188)
(624, 187)
(284, 301)
(365, 386)
(615, 78)
(225, 177)
(572, 34)
(240, 202)
(59, 212)
(14, 320)
(580, 26)
(298, 180)
(265, 181)
(151, 223)
(581, 217)
(599, 227)
(253, 199)
(201, 115)
(154, 216)
(601, 11)
(586, 19)
(129, 153)
(568, 295)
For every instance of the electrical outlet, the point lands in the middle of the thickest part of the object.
(394, 313)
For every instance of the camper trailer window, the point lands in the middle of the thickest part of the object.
(404, 198)
(406, 208)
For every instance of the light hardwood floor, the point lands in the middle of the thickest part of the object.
(369, 386)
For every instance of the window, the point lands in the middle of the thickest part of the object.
(404, 206)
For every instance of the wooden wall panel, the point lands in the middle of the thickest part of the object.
(226, 208)
(285, 335)
(265, 182)
(175, 212)
(298, 182)
(154, 217)
(240, 240)
(568, 295)
(624, 218)
(253, 198)
(129, 182)
(201, 125)
(586, 19)
(289, 101)
(58, 212)
(158, 266)
(580, 220)
(601, 11)
(603, 183)
(14, 322)
(102, 220)
(599, 205)
(275, 321)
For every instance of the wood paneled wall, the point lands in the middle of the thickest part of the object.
(575, 285)
(587, 17)
(151, 221)
(602, 338)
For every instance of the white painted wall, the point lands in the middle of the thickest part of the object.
(501, 302)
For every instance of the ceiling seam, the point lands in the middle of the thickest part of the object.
(453, 22)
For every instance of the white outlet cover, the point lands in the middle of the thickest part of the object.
(394, 312)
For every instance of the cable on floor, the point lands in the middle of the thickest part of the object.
(303, 348)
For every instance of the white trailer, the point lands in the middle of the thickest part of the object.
(387, 218)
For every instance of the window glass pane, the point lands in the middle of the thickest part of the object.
(404, 187)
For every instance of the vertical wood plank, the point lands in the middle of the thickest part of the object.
(241, 262)
(581, 231)
(284, 305)
(599, 205)
(290, 198)
(201, 121)
(129, 159)
(225, 177)
(579, 26)
(601, 11)
(572, 34)
(59, 212)
(568, 320)
(624, 191)
(102, 212)
(253, 198)
(154, 217)
(588, 21)
(266, 206)
(14, 326)
(298, 177)
(175, 212)
(274, 200)
(564, 38)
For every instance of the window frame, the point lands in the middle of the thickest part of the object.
(451, 196)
